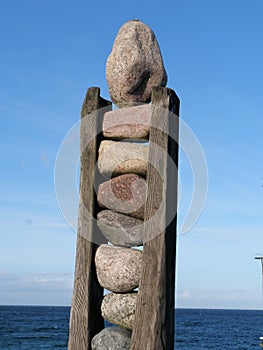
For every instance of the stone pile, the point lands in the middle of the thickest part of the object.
(133, 68)
(121, 198)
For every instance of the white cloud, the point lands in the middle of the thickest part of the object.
(229, 299)
(184, 294)
(43, 288)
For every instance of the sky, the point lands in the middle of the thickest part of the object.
(51, 53)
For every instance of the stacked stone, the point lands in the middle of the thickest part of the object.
(122, 199)
(133, 68)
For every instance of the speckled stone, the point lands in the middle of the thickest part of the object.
(125, 194)
(118, 269)
(116, 158)
(135, 64)
(127, 123)
(120, 229)
(112, 338)
(119, 309)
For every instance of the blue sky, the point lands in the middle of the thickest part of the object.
(51, 52)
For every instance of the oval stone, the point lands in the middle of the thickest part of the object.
(120, 229)
(115, 338)
(118, 269)
(125, 194)
(119, 309)
(127, 123)
(135, 65)
(116, 158)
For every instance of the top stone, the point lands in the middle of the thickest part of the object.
(135, 65)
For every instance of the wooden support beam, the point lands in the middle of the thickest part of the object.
(85, 317)
(154, 318)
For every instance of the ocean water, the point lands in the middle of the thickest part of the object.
(34, 327)
(218, 329)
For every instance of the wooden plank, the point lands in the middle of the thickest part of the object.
(154, 318)
(85, 316)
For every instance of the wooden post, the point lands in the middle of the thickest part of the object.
(154, 318)
(85, 317)
(261, 260)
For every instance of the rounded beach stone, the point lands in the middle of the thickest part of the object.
(127, 123)
(135, 65)
(117, 158)
(125, 194)
(118, 269)
(120, 229)
(119, 309)
(112, 338)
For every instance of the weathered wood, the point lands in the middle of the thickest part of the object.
(85, 317)
(154, 318)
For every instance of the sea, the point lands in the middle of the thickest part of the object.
(41, 327)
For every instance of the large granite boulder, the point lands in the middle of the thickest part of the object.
(135, 65)
(112, 338)
(118, 269)
(120, 229)
(124, 194)
(119, 309)
(116, 158)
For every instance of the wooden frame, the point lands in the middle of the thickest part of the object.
(154, 318)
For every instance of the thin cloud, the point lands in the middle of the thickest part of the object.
(44, 159)
(185, 294)
(33, 116)
(21, 282)
(36, 289)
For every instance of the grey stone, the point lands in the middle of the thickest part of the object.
(120, 229)
(119, 309)
(116, 158)
(125, 194)
(135, 65)
(112, 338)
(127, 123)
(118, 269)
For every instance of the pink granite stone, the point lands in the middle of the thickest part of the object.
(116, 158)
(118, 269)
(127, 123)
(135, 65)
(125, 194)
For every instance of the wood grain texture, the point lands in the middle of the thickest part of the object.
(154, 318)
(85, 317)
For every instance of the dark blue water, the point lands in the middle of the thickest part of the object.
(33, 328)
(218, 329)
